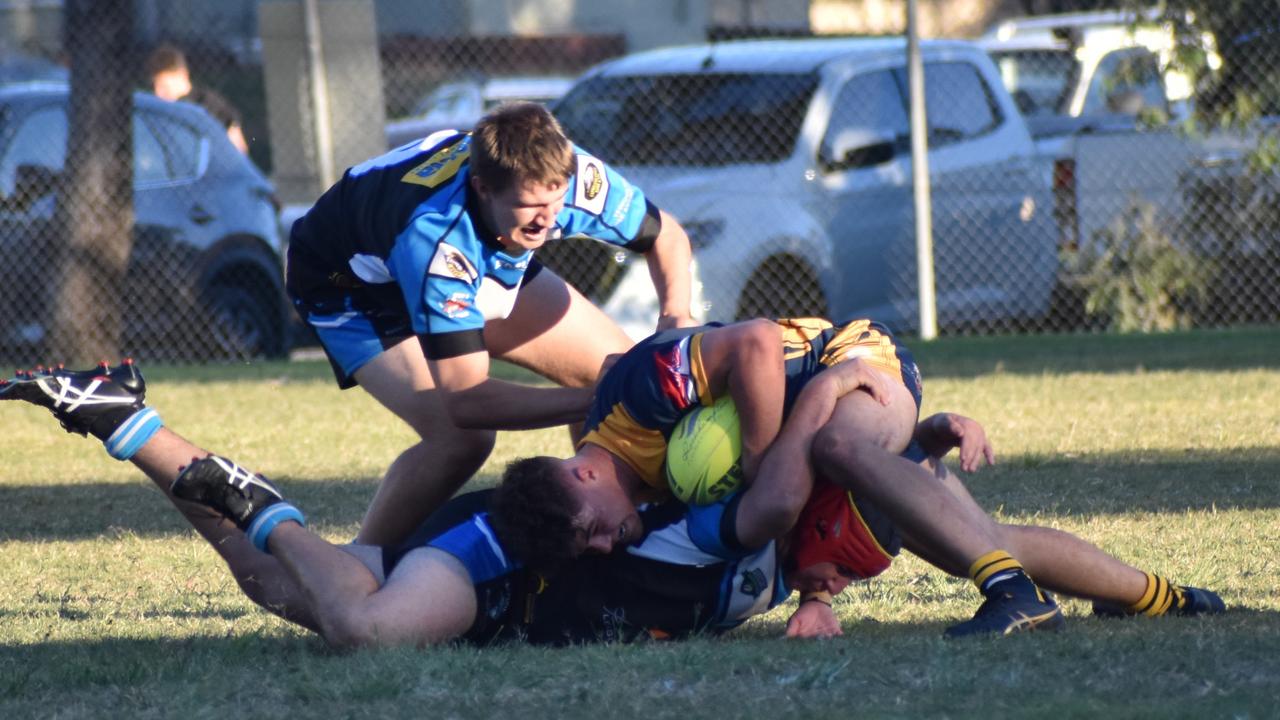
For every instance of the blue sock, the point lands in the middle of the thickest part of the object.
(133, 433)
(260, 529)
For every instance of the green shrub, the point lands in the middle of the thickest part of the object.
(1137, 278)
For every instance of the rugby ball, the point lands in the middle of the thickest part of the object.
(704, 454)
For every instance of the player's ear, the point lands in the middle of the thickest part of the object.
(479, 187)
(584, 473)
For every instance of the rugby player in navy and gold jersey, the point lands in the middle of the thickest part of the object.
(418, 266)
(551, 510)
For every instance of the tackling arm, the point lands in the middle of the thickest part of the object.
(476, 401)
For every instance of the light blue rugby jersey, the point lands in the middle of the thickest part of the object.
(407, 217)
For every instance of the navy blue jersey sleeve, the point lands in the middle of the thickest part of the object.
(476, 546)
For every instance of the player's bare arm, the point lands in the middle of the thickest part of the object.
(745, 361)
(771, 505)
(668, 262)
(476, 401)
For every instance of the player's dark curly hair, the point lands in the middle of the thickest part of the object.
(533, 513)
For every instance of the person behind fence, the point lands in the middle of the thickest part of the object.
(455, 579)
(171, 80)
(418, 266)
(549, 510)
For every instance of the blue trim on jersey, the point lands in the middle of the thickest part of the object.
(476, 546)
(704, 522)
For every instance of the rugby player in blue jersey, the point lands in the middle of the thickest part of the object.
(418, 266)
(550, 510)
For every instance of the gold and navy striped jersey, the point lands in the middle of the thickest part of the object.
(643, 396)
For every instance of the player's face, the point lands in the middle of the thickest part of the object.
(523, 214)
(819, 577)
(607, 520)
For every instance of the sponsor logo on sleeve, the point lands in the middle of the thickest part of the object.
(624, 205)
(592, 185)
(457, 305)
(673, 378)
(451, 263)
(441, 167)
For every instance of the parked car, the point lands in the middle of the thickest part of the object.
(205, 275)
(458, 105)
(16, 67)
(788, 162)
(1089, 64)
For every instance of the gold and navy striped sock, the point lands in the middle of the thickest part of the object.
(1161, 597)
(996, 567)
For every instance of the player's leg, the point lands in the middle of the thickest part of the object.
(860, 449)
(556, 332)
(428, 473)
(428, 598)
(846, 452)
(109, 404)
(1070, 565)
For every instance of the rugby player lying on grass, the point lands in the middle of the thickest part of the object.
(550, 510)
(453, 579)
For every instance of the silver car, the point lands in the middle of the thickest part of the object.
(788, 161)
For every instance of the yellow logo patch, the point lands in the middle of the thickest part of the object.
(441, 167)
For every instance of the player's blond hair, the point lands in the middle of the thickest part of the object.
(520, 142)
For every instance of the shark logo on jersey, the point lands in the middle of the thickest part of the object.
(451, 263)
(592, 185)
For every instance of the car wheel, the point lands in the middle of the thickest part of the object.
(782, 287)
(244, 323)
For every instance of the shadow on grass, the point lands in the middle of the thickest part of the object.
(1082, 486)
(87, 510)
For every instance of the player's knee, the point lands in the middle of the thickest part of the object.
(348, 629)
(836, 445)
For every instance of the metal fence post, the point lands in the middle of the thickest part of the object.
(920, 179)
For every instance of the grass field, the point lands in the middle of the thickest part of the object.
(1164, 450)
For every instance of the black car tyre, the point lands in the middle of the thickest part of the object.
(782, 287)
(244, 322)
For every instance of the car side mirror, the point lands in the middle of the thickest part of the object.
(32, 182)
(854, 148)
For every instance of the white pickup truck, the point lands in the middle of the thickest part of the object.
(788, 161)
(1102, 96)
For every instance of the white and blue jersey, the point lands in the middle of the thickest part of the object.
(678, 580)
(398, 247)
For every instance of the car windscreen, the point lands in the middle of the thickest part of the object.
(688, 119)
(1039, 80)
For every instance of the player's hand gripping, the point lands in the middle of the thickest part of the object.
(813, 619)
(855, 374)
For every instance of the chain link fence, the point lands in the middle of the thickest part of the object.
(1094, 171)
